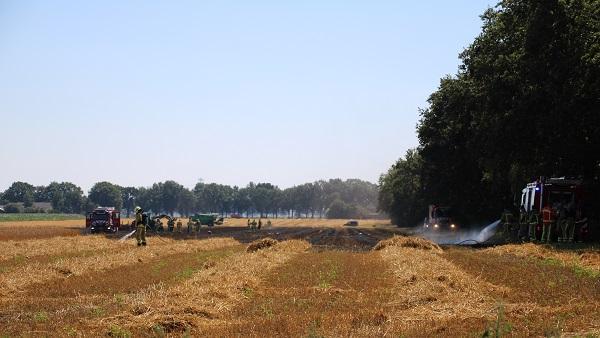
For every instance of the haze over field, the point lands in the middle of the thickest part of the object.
(230, 93)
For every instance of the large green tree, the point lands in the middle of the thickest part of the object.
(106, 194)
(66, 197)
(20, 192)
(523, 104)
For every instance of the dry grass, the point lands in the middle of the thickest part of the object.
(538, 298)
(589, 259)
(431, 288)
(115, 254)
(326, 293)
(206, 294)
(90, 285)
(261, 244)
(53, 246)
(408, 242)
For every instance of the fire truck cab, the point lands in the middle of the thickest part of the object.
(103, 219)
(439, 218)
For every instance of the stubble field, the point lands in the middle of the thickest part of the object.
(301, 278)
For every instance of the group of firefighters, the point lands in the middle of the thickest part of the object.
(140, 226)
(257, 225)
(562, 218)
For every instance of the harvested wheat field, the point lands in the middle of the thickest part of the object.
(310, 280)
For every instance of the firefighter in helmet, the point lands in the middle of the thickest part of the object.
(507, 221)
(140, 233)
(171, 224)
(179, 225)
(190, 224)
(547, 223)
(561, 221)
(523, 224)
(532, 221)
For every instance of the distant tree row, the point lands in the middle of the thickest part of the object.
(525, 103)
(335, 198)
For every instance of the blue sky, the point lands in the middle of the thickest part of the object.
(136, 92)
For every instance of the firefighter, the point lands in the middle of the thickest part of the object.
(569, 228)
(532, 221)
(249, 223)
(140, 233)
(269, 224)
(579, 228)
(561, 222)
(259, 223)
(197, 226)
(171, 224)
(507, 221)
(523, 224)
(253, 224)
(179, 226)
(547, 223)
(190, 224)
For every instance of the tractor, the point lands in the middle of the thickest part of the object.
(207, 219)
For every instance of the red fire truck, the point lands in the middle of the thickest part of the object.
(103, 220)
(548, 192)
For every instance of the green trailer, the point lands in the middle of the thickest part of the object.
(207, 219)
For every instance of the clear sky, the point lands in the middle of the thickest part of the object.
(136, 92)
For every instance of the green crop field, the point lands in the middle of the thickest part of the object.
(38, 217)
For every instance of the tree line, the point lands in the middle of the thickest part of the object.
(525, 103)
(334, 198)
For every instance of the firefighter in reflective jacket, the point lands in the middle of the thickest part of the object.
(533, 221)
(140, 233)
(179, 226)
(507, 221)
(548, 219)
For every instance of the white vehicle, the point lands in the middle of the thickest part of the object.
(439, 219)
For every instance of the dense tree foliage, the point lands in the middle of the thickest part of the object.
(20, 192)
(65, 197)
(106, 194)
(525, 103)
(347, 199)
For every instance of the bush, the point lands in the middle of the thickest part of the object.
(340, 209)
(32, 210)
(13, 209)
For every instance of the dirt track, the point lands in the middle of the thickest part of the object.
(343, 238)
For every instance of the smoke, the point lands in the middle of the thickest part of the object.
(468, 236)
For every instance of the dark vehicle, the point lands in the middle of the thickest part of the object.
(103, 220)
(439, 219)
(351, 223)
